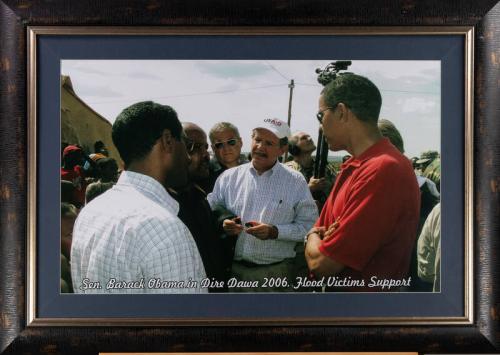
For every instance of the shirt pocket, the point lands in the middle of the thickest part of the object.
(281, 212)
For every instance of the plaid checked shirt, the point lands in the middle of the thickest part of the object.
(280, 197)
(132, 233)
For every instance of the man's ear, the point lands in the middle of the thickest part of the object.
(167, 141)
(344, 110)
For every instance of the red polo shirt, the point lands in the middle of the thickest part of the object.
(377, 201)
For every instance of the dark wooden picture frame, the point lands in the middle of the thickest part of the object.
(15, 337)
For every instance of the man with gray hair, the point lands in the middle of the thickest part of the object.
(273, 208)
(226, 144)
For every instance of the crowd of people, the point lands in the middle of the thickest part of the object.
(174, 219)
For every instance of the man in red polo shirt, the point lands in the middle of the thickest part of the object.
(364, 236)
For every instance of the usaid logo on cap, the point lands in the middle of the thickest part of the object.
(273, 121)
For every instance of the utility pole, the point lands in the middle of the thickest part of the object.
(290, 86)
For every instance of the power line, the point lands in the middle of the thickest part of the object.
(304, 84)
(412, 92)
(247, 89)
(277, 71)
(384, 90)
(189, 95)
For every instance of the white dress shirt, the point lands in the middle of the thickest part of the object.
(280, 197)
(130, 240)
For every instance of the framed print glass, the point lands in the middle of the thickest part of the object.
(80, 81)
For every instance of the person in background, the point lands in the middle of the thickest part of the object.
(68, 192)
(273, 208)
(68, 217)
(130, 240)
(96, 189)
(425, 159)
(226, 144)
(301, 147)
(368, 225)
(106, 174)
(429, 250)
(100, 148)
(429, 197)
(90, 167)
(433, 172)
(71, 170)
(388, 129)
(196, 214)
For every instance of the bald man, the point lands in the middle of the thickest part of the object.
(301, 146)
(195, 211)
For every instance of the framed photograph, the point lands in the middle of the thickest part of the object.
(434, 88)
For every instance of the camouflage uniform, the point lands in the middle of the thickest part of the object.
(425, 160)
(433, 172)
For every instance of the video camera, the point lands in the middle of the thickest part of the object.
(325, 76)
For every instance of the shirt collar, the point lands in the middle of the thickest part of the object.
(217, 165)
(269, 172)
(376, 149)
(149, 187)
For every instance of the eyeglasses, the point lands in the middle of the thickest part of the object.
(321, 114)
(192, 147)
(231, 142)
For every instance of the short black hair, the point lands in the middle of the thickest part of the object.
(357, 92)
(98, 145)
(138, 127)
(68, 210)
(103, 162)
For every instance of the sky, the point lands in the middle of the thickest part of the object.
(246, 92)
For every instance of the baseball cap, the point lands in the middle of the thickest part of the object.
(70, 149)
(276, 126)
(97, 156)
(427, 156)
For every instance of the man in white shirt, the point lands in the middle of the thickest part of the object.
(274, 210)
(129, 239)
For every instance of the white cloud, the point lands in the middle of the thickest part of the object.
(244, 92)
(417, 105)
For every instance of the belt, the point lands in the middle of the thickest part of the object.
(253, 265)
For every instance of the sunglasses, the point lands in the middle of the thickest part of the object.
(231, 142)
(321, 114)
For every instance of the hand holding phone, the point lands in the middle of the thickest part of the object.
(232, 226)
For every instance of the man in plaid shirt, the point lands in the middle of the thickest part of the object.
(129, 239)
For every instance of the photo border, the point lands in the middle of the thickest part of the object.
(467, 32)
(481, 336)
